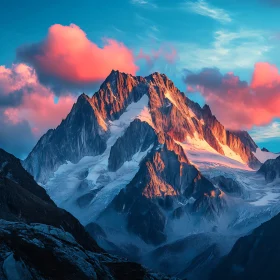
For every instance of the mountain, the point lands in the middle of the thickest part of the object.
(23, 200)
(142, 166)
(86, 129)
(41, 241)
(270, 169)
(11, 168)
(255, 256)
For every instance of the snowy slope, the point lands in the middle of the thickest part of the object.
(91, 173)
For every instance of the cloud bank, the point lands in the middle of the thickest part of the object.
(236, 103)
(27, 108)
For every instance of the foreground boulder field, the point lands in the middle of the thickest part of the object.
(153, 177)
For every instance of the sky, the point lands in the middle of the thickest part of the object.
(223, 53)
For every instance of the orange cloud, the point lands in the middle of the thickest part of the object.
(67, 55)
(237, 104)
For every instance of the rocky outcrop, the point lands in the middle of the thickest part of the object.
(241, 149)
(138, 137)
(255, 256)
(246, 139)
(228, 185)
(210, 204)
(41, 252)
(270, 169)
(10, 167)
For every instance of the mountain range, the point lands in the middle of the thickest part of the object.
(153, 177)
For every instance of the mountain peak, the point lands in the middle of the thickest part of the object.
(207, 110)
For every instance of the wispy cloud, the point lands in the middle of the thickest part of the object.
(264, 133)
(144, 3)
(202, 8)
(149, 30)
(239, 49)
(141, 2)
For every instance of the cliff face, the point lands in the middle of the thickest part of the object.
(82, 133)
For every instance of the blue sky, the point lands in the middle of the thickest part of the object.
(229, 35)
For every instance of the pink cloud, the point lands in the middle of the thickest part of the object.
(237, 104)
(32, 102)
(166, 52)
(41, 112)
(68, 55)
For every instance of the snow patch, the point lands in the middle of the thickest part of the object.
(200, 153)
(231, 154)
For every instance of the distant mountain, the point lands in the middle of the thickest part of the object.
(270, 169)
(255, 256)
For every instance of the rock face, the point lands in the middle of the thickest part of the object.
(270, 169)
(255, 256)
(139, 136)
(245, 151)
(228, 185)
(87, 127)
(246, 139)
(41, 252)
(82, 133)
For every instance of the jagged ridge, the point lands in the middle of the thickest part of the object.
(86, 129)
